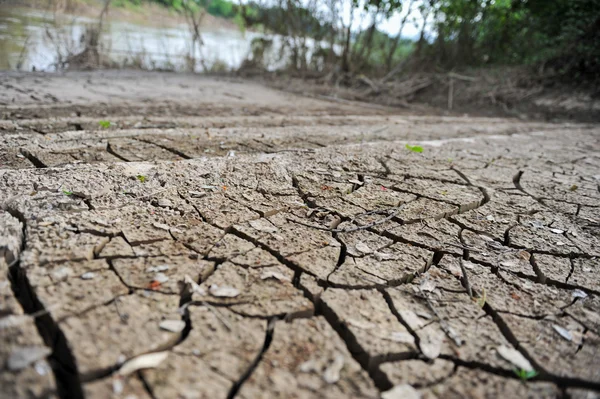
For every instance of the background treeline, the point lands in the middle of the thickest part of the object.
(562, 36)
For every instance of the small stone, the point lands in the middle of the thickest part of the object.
(22, 357)
(577, 293)
(164, 203)
(161, 278)
(197, 194)
(88, 276)
(41, 367)
(403, 391)
(175, 326)
(62, 273)
(223, 292)
(117, 385)
(332, 373)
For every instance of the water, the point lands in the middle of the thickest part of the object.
(32, 39)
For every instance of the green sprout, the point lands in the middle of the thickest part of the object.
(525, 375)
(104, 124)
(141, 178)
(414, 148)
(67, 192)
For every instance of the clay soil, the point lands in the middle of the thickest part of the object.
(176, 236)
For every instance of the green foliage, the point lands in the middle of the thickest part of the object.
(414, 148)
(525, 375)
(292, 19)
(563, 33)
(104, 124)
(218, 8)
(67, 192)
(141, 178)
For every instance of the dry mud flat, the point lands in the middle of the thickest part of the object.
(247, 243)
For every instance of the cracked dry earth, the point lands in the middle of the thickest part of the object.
(221, 239)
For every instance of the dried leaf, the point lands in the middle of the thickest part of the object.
(563, 332)
(411, 319)
(427, 286)
(362, 247)
(156, 269)
(276, 275)
(188, 285)
(148, 361)
(263, 225)
(514, 357)
(431, 344)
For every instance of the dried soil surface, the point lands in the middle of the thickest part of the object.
(221, 239)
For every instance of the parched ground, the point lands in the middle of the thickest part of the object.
(220, 239)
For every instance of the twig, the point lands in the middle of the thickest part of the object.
(350, 230)
(450, 93)
(445, 327)
(123, 316)
(466, 279)
(462, 77)
(218, 315)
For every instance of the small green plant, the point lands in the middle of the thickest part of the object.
(525, 375)
(414, 148)
(141, 178)
(104, 124)
(67, 192)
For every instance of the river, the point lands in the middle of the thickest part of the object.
(34, 40)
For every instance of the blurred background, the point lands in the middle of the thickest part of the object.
(498, 52)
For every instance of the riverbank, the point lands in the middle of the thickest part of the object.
(149, 14)
(513, 92)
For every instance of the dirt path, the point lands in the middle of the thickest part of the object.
(249, 243)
